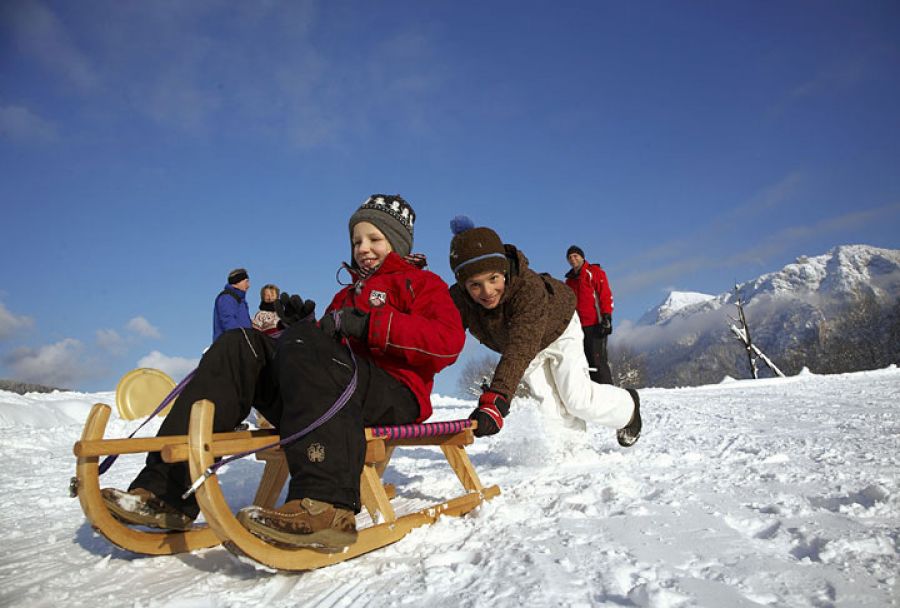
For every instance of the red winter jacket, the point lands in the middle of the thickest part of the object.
(415, 330)
(592, 290)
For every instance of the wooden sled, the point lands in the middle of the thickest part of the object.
(86, 485)
(387, 528)
(201, 447)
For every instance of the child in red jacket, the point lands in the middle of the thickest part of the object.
(401, 328)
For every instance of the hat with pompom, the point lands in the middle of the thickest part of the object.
(475, 250)
(392, 215)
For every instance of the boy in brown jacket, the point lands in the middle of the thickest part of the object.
(530, 319)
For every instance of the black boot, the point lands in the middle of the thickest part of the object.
(629, 434)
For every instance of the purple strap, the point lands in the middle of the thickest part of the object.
(109, 460)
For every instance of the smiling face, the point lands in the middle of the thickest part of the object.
(370, 246)
(269, 295)
(486, 288)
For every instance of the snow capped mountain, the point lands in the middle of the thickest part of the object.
(791, 312)
(676, 302)
(844, 271)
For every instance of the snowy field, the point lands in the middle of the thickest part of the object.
(778, 492)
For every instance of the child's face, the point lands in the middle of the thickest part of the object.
(370, 246)
(269, 295)
(487, 288)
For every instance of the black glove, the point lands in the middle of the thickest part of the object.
(605, 325)
(492, 409)
(346, 322)
(293, 309)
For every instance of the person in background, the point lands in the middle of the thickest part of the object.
(266, 319)
(530, 319)
(231, 310)
(595, 307)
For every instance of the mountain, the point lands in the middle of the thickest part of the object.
(675, 302)
(811, 313)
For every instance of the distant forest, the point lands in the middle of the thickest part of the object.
(15, 386)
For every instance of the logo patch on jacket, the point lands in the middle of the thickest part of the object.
(377, 298)
(316, 452)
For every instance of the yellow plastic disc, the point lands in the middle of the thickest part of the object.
(140, 391)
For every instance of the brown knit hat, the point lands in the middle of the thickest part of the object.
(475, 250)
(392, 215)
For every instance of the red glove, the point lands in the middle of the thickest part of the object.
(492, 409)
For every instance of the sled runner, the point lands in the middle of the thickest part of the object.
(86, 485)
(200, 447)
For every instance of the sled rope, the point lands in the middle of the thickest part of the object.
(328, 415)
(109, 460)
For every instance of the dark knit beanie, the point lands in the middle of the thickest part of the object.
(237, 275)
(392, 215)
(475, 250)
(574, 249)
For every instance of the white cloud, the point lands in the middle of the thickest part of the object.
(176, 367)
(61, 365)
(110, 341)
(142, 327)
(10, 323)
(18, 123)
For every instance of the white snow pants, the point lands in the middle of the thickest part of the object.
(559, 379)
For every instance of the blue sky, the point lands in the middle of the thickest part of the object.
(148, 147)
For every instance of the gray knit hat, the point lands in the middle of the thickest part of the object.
(390, 214)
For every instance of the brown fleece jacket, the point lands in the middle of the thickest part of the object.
(533, 312)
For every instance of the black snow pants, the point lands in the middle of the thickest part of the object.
(292, 382)
(595, 352)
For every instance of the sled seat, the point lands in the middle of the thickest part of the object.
(451, 437)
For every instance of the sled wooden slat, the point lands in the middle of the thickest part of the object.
(138, 540)
(374, 495)
(226, 447)
(138, 445)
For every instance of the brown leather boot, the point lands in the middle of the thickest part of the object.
(141, 507)
(302, 523)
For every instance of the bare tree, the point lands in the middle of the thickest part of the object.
(478, 372)
(629, 368)
(475, 372)
(741, 331)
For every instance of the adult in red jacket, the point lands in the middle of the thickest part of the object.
(595, 308)
(401, 327)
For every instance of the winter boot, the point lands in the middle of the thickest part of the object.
(141, 507)
(629, 434)
(302, 523)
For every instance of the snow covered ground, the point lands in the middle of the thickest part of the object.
(782, 492)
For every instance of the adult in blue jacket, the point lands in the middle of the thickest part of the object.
(231, 310)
